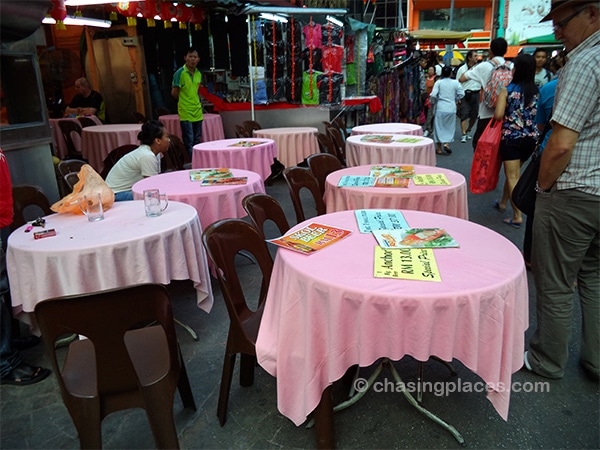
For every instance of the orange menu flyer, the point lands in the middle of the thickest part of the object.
(311, 238)
(391, 181)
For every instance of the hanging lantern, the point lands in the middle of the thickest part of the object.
(183, 15)
(129, 10)
(149, 10)
(167, 12)
(111, 9)
(198, 16)
(58, 12)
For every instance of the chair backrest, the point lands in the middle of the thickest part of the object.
(162, 111)
(262, 208)
(114, 156)
(338, 141)
(86, 122)
(298, 178)
(139, 117)
(241, 131)
(341, 125)
(122, 359)
(70, 165)
(223, 240)
(251, 125)
(68, 128)
(31, 198)
(177, 157)
(326, 144)
(321, 165)
(72, 178)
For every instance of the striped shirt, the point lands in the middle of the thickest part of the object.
(577, 107)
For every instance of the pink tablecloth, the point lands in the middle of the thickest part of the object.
(326, 312)
(212, 126)
(123, 249)
(59, 141)
(212, 202)
(224, 153)
(99, 141)
(450, 200)
(294, 144)
(359, 153)
(388, 128)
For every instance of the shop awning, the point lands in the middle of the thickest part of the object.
(440, 36)
(547, 39)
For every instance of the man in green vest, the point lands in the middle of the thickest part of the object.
(186, 82)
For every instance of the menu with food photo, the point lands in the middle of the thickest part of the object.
(415, 238)
(223, 181)
(377, 138)
(245, 144)
(311, 238)
(392, 170)
(210, 174)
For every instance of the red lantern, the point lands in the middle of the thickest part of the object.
(183, 15)
(198, 16)
(129, 10)
(58, 12)
(167, 12)
(149, 10)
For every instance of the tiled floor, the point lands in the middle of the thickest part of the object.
(565, 417)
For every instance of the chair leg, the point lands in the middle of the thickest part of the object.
(247, 364)
(323, 415)
(226, 376)
(159, 410)
(88, 421)
(184, 388)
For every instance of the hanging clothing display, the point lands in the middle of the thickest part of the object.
(274, 61)
(293, 87)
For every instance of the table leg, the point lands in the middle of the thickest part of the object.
(187, 328)
(323, 417)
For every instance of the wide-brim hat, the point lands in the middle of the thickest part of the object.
(559, 5)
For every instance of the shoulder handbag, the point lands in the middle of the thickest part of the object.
(523, 194)
(485, 169)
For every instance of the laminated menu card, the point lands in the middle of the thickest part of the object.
(210, 174)
(245, 144)
(392, 170)
(223, 181)
(431, 179)
(415, 238)
(379, 219)
(311, 238)
(406, 263)
(391, 181)
(356, 181)
(377, 138)
(410, 140)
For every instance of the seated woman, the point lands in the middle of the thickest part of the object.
(142, 162)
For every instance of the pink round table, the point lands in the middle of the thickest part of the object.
(294, 144)
(59, 141)
(93, 256)
(326, 312)
(359, 152)
(225, 153)
(212, 202)
(212, 126)
(99, 141)
(388, 128)
(450, 200)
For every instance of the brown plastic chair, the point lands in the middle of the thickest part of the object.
(114, 156)
(162, 111)
(70, 165)
(223, 240)
(251, 125)
(67, 128)
(262, 208)
(177, 157)
(139, 117)
(298, 178)
(27, 200)
(242, 132)
(340, 145)
(72, 178)
(86, 122)
(326, 144)
(123, 364)
(321, 165)
(340, 124)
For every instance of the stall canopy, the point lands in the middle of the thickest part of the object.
(440, 36)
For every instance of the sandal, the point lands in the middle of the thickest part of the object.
(447, 149)
(498, 207)
(439, 152)
(510, 222)
(24, 374)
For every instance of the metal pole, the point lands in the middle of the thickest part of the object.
(250, 23)
(449, 47)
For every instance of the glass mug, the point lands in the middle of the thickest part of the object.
(153, 204)
(91, 206)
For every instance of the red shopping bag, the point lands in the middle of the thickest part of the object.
(485, 169)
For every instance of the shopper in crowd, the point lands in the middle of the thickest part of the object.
(469, 105)
(429, 109)
(542, 75)
(446, 92)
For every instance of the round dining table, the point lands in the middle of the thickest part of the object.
(399, 149)
(294, 144)
(388, 128)
(125, 248)
(251, 154)
(60, 146)
(211, 202)
(327, 312)
(212, 126)
(450, 200)
(97, 142)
